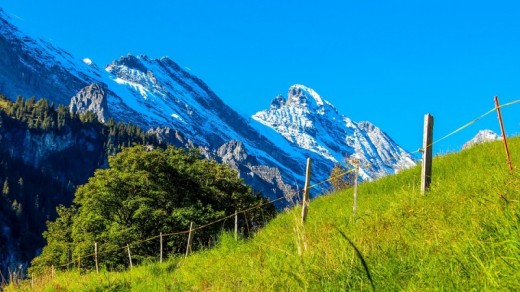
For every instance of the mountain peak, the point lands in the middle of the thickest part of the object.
(302, 96)
(482, 137)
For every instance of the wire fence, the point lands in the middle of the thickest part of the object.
(295, 193)
(466, 125)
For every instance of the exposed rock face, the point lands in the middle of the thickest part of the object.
(482, 136)
(232, 153)
(170, 136)
(91, 98)
(48, 149)
(42, 168)
(262, 178)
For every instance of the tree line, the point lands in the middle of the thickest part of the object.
(140, 188)
(35, 178)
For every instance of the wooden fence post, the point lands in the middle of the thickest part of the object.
(354, 207)
(160, 244)
(306, 199)
(504, 138)
(96, 257)
(190, 239)
(236, 226)
(129, 255)
(426, 173)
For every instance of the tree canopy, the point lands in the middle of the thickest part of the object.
(144, 192)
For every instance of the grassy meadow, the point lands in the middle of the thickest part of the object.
(462, 235)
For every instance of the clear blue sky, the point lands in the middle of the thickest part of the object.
(389, 62)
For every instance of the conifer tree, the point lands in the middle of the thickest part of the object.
(5, 189)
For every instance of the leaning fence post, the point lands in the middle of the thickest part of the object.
(129, 255)
(96, 257)
(160, 246)
(426, 173)
(190, 239)
(504, 138)
(306, 199)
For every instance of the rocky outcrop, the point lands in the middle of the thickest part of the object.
(262, 178)
(92, 98)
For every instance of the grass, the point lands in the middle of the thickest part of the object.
(462, 235)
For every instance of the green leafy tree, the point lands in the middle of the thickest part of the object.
(145, 192)
(59, 240)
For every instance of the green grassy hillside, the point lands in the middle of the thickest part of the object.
(462, 235)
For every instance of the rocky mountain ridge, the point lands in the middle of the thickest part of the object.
(158, 95)
(307, 120)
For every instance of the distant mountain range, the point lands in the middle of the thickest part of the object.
(268, 149)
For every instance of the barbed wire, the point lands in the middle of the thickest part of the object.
(297, 192)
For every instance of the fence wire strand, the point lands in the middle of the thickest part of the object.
(467, 125)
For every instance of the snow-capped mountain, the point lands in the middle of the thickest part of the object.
(482, 137)
(311, 123)
(269, 150)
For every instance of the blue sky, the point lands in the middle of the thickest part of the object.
(388, 62)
